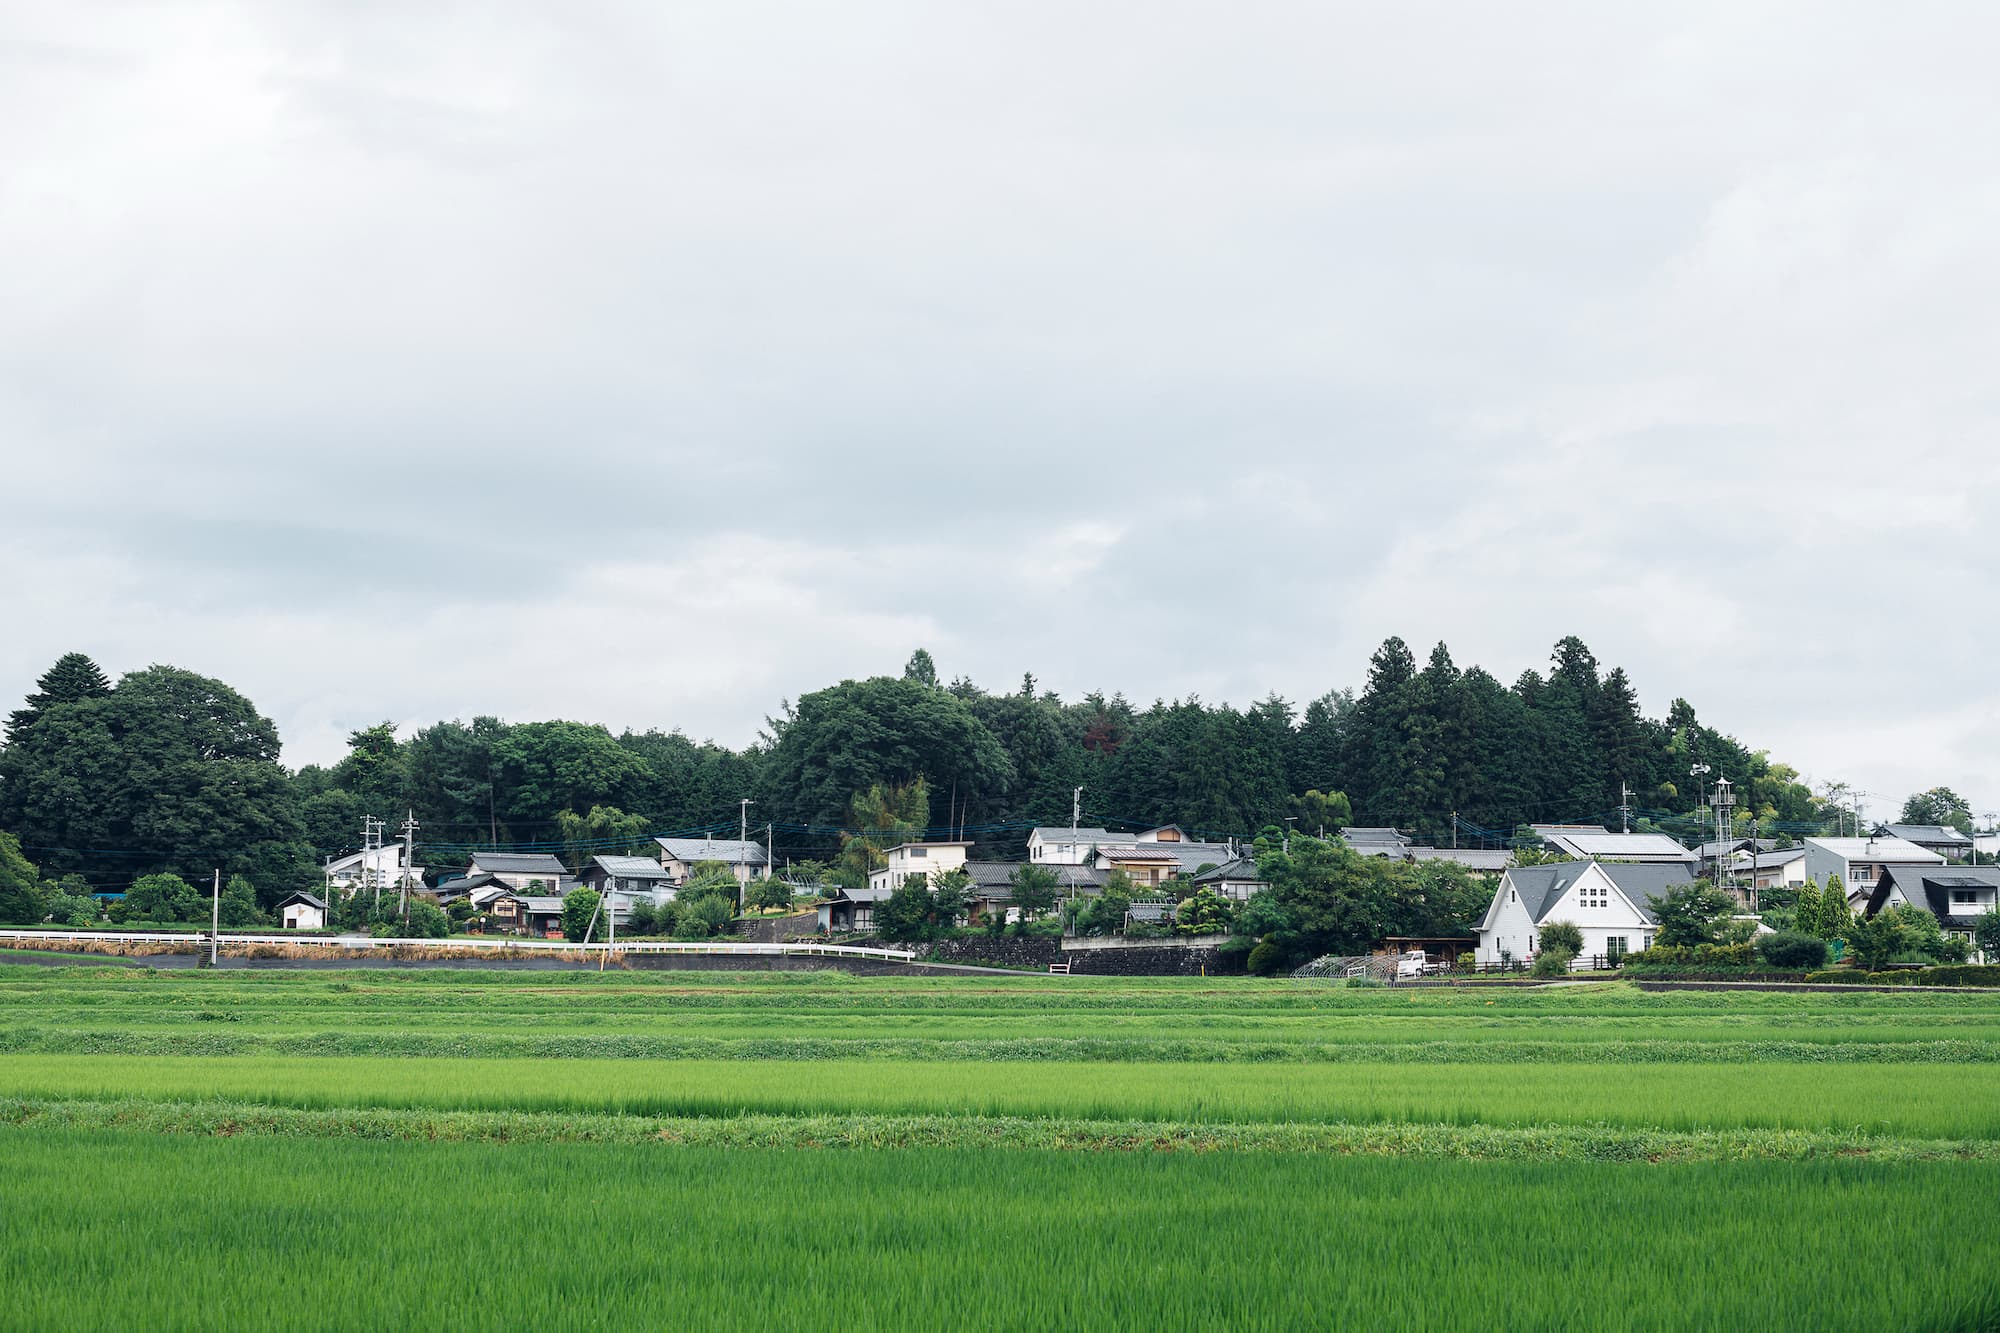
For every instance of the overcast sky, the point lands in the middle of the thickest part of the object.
(647, 363)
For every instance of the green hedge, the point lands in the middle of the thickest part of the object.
(1700, 955)
(1952, 974)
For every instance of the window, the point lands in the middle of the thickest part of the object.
(1614, 947)
(920, 851)
(1965, 897)
(1863, 872)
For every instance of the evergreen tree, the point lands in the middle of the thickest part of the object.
(1806, 909)
(73, 678)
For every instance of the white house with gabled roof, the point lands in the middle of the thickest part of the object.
(1610, 902)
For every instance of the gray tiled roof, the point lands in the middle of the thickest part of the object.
(1472, 858)
(995, 879)
(1922, 833)
(1070, 835)
(729, 851)
(1237, 868)
(517, 863)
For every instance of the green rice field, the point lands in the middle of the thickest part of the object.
(370, 1149)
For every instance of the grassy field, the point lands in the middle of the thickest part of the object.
(374, 1149)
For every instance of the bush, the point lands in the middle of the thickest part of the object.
(579, 909)
(427, 921)
(1789, 948)
(1552, 963)
(704, 916)
(1954, 949)
(1697, 955)
(1975, 974)
(1266, 958)
(1563, 936)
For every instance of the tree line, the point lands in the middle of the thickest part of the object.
(168, 771)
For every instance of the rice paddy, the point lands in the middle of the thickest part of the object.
(452, 1149)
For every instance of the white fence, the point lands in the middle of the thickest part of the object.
(736, 948)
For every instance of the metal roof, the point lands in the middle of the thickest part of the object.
(631, 867)
(1926, 833)
(729, 851)
(1651, 846)
(1472, 858)
(1877, 849)
(1070, 835)
(517, 863)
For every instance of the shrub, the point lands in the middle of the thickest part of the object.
(1552, 963)
(579, 908)
(1789, 948)
(1266, 958)
(1562, 935)
(704, 916)
(1205, 912)
(1876, 940)
(1954, 949)
(427, 921)
(1987, 933)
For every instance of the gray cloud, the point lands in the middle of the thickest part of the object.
(651, 364)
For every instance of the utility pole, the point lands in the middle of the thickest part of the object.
(1075, 809)
(1454, 831)
(770, 850)
(1289, 821)
(409, 859)
(215, 919)
(1624, 807)
(742, 852)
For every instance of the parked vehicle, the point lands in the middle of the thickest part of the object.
(1416, 963)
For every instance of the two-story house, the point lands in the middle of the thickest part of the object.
(1946, 841)
(917, 858)
(377, 868)
(625, 881)
(1956, 895)
(521, 870)
(1860, 862)
(746, 860)
(1609, 902)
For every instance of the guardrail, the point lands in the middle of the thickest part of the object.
(738, 948)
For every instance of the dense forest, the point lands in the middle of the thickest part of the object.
(170, 770)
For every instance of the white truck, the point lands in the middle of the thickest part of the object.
(1416, 963)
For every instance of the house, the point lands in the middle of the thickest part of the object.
(1146, 866)
(1382, 842)
(520, 870)
(1957, 896)
(1479, 860)
(628, 874)
(1236, 879)
(1946, 841)
(992, 888)
(917, 858)
(1588, 841)
(746, 860)
(302, 911)
(1716, 858)
(1609, 901)
(1860, 862)
(526, 914)
(1770, 869)
(379, 867)
(626, 881)
(479, 890)
(850, 909)
(1067, 846)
